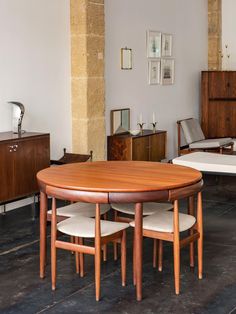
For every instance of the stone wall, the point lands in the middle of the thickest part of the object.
(214, 34)
(87, 77)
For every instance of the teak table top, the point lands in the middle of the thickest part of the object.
(119, 176)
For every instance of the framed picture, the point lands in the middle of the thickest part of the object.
(166, 45)
(154, 68)
(167, 71)
(153, 44)
(126, 58)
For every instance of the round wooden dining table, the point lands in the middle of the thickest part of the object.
(116, 182)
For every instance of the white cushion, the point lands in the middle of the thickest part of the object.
(163, 221)
(208, 162)
(84, 227)
(192, 130)
(211, 143)
(82, 209)
(234, 141)
(148, 208)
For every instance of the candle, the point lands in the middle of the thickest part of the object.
(140, 118)
(153, 118)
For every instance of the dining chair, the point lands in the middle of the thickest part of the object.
(77, 208)
(168, 226)
(125, 213)
(80, 227)
(196, 140)
(80, 209)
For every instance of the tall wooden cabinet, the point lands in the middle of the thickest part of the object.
(21, 157)
(147, 146)
(218, 103)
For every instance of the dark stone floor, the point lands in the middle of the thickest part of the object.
(21, 290)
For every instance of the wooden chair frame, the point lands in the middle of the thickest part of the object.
(186, 149)
(80, 249)
(194, 234)
(157, 244)
(69, 158)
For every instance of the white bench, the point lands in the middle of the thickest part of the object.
(208, 162)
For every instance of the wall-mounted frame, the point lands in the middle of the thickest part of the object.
(167, 71)
(153, 44)
(126, 58)
(154, 69)
(166, 45)
(120, 121)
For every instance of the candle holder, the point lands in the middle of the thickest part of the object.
(141, 126)
(154, 124)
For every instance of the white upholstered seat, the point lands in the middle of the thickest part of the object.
(84, 227)
(148, 208)
(208, 162)
(162, 221)
(211, 143)
(81, 209)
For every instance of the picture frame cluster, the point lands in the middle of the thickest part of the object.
(160, 61)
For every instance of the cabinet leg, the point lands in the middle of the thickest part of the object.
(35, 208)
(4, 210)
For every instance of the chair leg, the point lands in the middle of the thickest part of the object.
(160, 255)
(115, 245)
(191, 231)
(134, 262)
(53, 246)
(76, 241)
(200, 230)
(72, 240)
(154, 262)
(123, 258)
(81, 259)
(104, 248)
(115, 251)
(176, 248)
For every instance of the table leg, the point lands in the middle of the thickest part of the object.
(43, 233)
(138, 248)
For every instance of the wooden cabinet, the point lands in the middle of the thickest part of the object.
(148, 147)
(218, 103)
(21, 157)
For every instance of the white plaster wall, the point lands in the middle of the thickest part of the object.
(228, 34)
(35, 67)
(126, 23)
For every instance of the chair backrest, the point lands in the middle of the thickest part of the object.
(192, 130)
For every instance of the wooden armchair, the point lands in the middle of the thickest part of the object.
(69, 158)
(196, 141)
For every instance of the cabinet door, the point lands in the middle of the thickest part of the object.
(118, 148)
(24, 168)
(31, 155)
(6, 172)
(218, 84)
(222, 119)
(231, 83)
(42, 153)
(222, 84)
(140, 148)
(157, 143)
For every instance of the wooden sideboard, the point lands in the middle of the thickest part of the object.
(147, 146)
(218, 103)
(21, 157)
